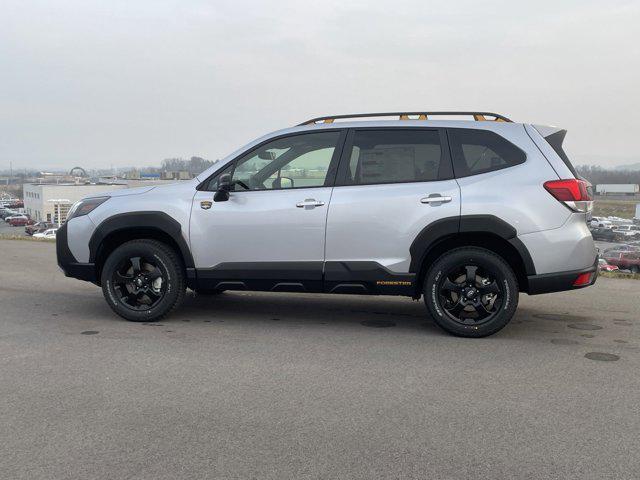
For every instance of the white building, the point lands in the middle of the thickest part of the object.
(42, 201)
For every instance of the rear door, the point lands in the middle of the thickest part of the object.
(392, 183)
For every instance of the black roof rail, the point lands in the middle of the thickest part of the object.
(477, 116)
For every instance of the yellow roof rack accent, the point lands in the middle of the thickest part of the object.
(405, 116)
(477, 116)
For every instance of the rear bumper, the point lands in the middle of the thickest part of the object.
(68, 263)
(560, 281)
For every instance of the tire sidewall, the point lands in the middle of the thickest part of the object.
(475, 256)
(163, 262)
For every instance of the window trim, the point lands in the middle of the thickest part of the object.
(472, 174)
(445, 169)
(329, 180)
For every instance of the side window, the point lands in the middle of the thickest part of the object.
(481, 151)
(212, 185)
(394, 155)
(297, 161)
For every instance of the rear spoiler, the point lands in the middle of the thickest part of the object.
(555, 138)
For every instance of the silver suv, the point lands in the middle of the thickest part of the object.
(466, 213)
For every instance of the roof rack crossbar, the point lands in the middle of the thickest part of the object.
(477, 116)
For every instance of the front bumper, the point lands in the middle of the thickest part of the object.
(560, 281)
(68, 263)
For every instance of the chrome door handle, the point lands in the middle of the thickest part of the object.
(310, 202)
(435, 198)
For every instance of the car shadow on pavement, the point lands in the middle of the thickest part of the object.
(306, 309)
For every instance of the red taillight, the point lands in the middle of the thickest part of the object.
(574, 193)
(573, 190)
(583, 279)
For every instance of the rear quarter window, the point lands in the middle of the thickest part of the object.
(480, 151)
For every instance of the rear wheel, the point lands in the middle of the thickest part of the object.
(471, 292)
(143, 280)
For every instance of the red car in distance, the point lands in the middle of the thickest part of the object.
(624, 260)
(606, 267)
(19, 221)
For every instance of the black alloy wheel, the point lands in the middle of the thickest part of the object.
(139, 283)
(143, 280)
(471, 292)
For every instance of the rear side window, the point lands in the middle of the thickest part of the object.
(556, 140)
(480, 151)
(393, 156)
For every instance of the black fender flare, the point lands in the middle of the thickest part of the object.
(436, 231)
(153, 220)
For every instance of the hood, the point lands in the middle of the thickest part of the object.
(122, 192)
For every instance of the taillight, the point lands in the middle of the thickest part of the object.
(583, 279)
(576, 194)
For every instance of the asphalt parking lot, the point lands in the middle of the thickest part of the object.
(279, 386)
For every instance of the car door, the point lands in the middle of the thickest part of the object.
(392, 183)
(269, 234)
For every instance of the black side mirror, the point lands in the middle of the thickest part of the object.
(266, 155)
(224, 187)
(282, 182)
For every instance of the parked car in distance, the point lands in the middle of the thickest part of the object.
(604, 234)
(599, 222)
(18, 220)
(628, 231)
(622, 248)
(38, 227)
(606, 267)
(49, 233)
(624, 260)
(7, 212)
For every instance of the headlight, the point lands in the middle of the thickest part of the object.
(85, 206)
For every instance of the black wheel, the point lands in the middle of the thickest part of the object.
(471, 292)
(635, 269)
(143, 280)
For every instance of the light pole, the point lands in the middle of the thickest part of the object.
(57, 202)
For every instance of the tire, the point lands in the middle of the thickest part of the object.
(635, 269)
(159, 271)
(471, 292)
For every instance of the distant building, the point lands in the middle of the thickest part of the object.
(42, 201)
(181, 175)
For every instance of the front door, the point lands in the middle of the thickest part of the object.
(270, 234)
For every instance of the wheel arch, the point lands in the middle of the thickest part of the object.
(484, 231)
(121, 228)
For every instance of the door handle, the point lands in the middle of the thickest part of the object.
(310, 202)
(435, 198)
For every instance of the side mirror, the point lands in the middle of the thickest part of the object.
(282, 182)
(224, 187)
(266, 155)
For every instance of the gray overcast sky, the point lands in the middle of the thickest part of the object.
(100, 83)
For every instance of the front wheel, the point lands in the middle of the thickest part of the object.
(471, 292)
(143, 280)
